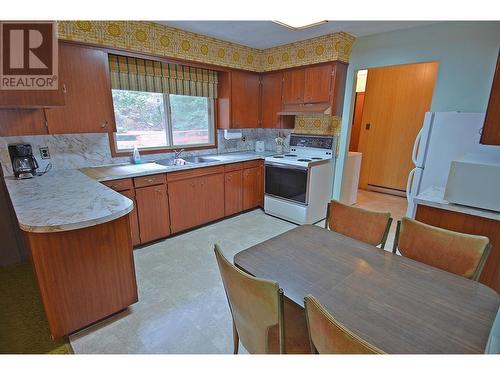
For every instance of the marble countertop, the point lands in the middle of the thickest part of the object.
(434, 197)
(62, 200)
(114, 172)
(70, 199)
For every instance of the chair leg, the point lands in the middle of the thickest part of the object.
(327, 219)
(236, 339)
(396, 237)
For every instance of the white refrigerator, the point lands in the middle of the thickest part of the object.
(444, 136)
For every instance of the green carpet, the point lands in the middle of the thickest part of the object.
(23, 326)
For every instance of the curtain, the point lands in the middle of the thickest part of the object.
(130, 73)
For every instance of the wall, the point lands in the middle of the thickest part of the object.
(466, 52)
(167, 41)
(70, 151)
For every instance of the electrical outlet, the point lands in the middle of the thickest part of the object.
(44, 152)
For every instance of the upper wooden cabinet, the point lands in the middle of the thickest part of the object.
(238, 100)
(491, 129)
(293, 86)
(84, 73)
(318, 83)
(271, 99)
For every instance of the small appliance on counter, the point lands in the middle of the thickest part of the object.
(259, 146)
(24, 163)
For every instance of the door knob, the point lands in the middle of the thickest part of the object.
(367, 126)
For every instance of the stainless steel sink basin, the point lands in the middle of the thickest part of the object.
(187, 160)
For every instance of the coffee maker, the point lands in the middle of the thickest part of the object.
(24, 163)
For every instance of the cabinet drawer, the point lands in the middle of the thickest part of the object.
(252, 163)
(191, 173)
(120, 185)
(155, 179)
(233, 167)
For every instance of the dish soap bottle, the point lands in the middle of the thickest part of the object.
(136, 156)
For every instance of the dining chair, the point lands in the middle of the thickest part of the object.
(256, 306)
(361, 224)
(493, 344)
(455, 252)
(328, 336)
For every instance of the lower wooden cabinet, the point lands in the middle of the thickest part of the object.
(251, 187)
(212, 198)
(153, 212)
(233, 196)
(133, 218)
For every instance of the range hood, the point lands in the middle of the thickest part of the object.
(306, 109)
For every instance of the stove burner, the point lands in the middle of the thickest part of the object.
(317, 158)
(278, 157)
(290, 155)
(303, 159)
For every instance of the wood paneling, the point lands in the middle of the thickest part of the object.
(251, 188)
(318, 80)
(133, 218)
(89, 107)
(396, 100)
(15, 122)
(233, 192)
(395, 303)
(84, 275)
(464, 223)
(356, 122)
(491, 130)
(150, 180)
(293, 86)
(153, 212)
(245, 100)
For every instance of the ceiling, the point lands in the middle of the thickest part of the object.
(266, 34)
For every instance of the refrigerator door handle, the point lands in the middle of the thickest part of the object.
(416, 146)
(409, 183)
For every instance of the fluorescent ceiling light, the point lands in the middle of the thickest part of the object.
(299, 24)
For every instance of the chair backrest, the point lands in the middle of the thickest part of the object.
(455, 252)
(256, 306)
(493, 344)
(365, 225)
(328, 336)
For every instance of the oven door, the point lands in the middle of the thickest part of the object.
(287, 182)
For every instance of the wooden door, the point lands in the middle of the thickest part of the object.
(233, 192)
(396, 99)
(133, 218)
(293, 86)
(211, 193)
(491, 130)
(356, 121)
(318, 83)
(271, 99)
(184, 204)
(153, 212)
(251, 189)
(245, 92)
(89, 106)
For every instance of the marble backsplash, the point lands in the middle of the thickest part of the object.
(71, 151)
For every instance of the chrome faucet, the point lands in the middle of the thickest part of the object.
(177, 154)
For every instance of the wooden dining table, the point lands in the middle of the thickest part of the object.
(395, 303)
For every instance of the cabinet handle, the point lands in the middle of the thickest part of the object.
(158, 191)
(192, 184)
(64, 89)
(150, 180)
(104, 124)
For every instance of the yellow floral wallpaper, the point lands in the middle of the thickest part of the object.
(167, 41)
(318, 124)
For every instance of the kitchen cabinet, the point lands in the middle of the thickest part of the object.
(317, 85)
(238, 100)
(293, 86)
(233, 192)
(252, 189)
(271, 99)
(465, 223)
(183, 200)
(84, 76)
(491, 129)
(153, 212)
(211, 195)
(14, 122)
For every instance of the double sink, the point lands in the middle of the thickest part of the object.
(188, 160)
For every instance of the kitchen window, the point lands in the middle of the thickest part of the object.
(152, 120)
(160, 105)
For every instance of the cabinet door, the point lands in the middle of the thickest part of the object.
(184, 204)
(233, 187)
(251, 190)
(271, 99)
(133, 218)
(293, 86)
(89, 107)
(491, 130)
(211, 194)
(318, 81)
(153, 212)
(245, 91)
